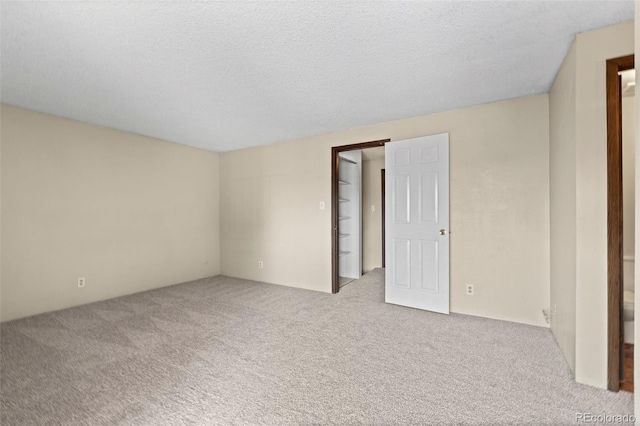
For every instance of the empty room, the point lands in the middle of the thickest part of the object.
(318, 213)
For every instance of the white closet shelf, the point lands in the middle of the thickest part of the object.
(342, 253)
(343, 235)
(343, 200)
(344, 182)
(344, 217)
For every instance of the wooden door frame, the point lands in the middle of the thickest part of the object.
(335, 164)
(382, 209)
(614, 218)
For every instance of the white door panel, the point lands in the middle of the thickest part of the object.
(417, 187)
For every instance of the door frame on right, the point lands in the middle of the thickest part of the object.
(382, 208)
(614, 219)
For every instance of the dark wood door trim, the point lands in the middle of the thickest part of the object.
(614, 218)
(382, 208)
(335, 164)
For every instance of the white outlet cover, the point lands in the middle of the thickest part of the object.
(373, 208)
(321, 205)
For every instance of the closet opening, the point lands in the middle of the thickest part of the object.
(356, 211)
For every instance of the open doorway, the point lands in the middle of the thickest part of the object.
(360, 213)
(621, 220)
(352, 251)
(628, 79)
(416, 272)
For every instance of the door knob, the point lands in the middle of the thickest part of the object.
(443, 232)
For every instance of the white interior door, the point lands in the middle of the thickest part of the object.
(417, 223)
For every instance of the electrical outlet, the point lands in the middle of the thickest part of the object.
(321, 205)
(469, 289)
(260, 264)
(81, 282)
(373, 208)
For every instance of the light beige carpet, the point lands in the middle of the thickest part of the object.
(342, 281)
(231, 351)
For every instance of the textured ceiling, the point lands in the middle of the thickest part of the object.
(228, 75)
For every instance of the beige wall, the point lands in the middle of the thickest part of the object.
(127, 212)
(372, 221)
(562, 172)
(578, 165)
(593, 49)
(499, 193)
